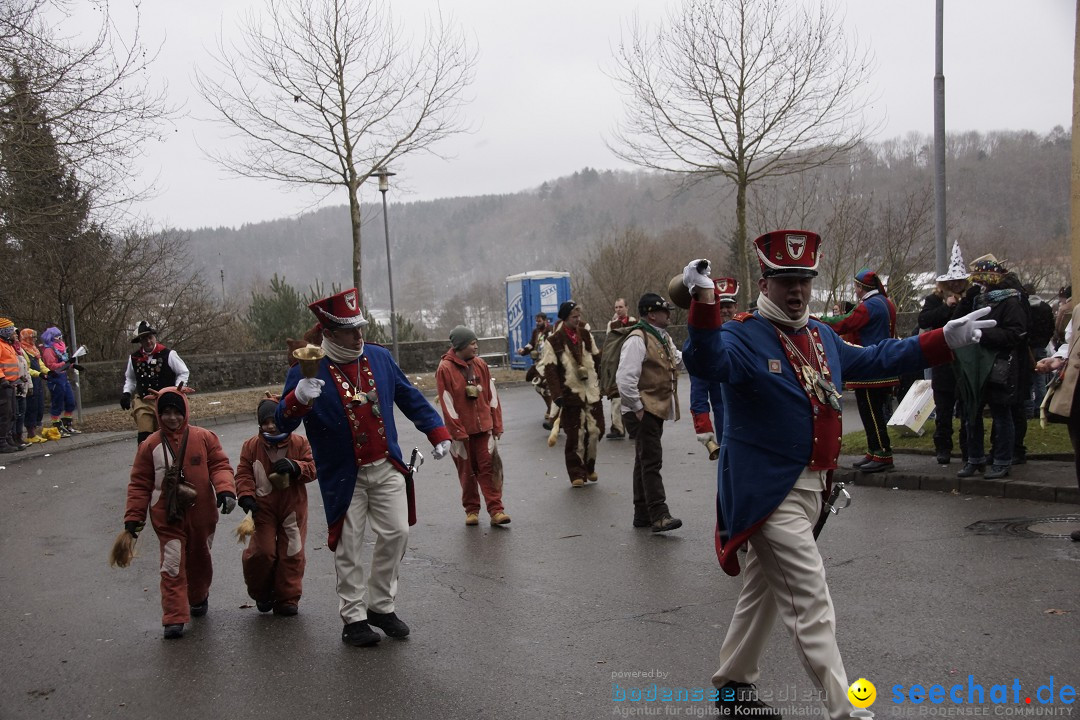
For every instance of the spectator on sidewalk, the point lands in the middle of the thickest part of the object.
(35, 401)
(22, 389)
(55, 356)
(1040, 333)
(937, 310)
(1064, 401)
(9, 379)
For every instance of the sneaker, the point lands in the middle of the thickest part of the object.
(472, 519)
(500, 518)
(741, 699)
(359, 634)
(199, 609)
(666, 523)
(997, 471)
(288, 610)
(389, 623)
(264, 605)
(174, 632)
(970, 469)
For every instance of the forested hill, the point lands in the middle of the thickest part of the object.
(1008, 194)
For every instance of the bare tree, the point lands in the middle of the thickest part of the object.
(97, 96)
(327, 92)
(740, 89)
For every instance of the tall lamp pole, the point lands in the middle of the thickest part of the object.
(384, 176)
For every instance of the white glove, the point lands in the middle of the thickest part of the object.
(968, 329)
(441, 449)
(694, 278)
(308, 389)
(706, 438)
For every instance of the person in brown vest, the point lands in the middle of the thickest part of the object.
(622, 318)
(648, 380)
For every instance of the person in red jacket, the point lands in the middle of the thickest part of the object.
(471, 411)
(183, 506)
(271, 480)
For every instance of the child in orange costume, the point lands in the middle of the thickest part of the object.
(274, 559)
(185, 531)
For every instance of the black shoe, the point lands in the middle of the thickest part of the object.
(389, 623)
(741, 700)
(640, 523)
(174, 632)
(944, 458)
(548, 424)
(1075, 535)
(997, 471)
(8, 449)
(264, 605)
(876, 466)
(359, 634)
(199, 609)
(666, 523)
(1019, 460)
(286, 610)
(859, 463)
(970, 469)
(615, 435)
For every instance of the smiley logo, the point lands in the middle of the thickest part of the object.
(862, 693)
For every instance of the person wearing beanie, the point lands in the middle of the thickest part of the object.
(1002, 349)
(473, 415)
(347, 407)
(54, 355)
(648, 381)
(150, 367)
(271, 484)
(183, 506)
(9, 379)
(569, 364)
(872, 320)
(35, 400)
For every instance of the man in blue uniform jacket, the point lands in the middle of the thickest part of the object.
(361, 475)
(777, 364)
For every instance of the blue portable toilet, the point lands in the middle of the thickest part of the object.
(527, 294)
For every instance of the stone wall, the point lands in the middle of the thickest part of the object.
(102, 382)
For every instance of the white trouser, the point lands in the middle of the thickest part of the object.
(616, 415)
(379, 500)
(784, 574)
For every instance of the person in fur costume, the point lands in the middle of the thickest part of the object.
(183, 477)
(569, 364)
(271, 481)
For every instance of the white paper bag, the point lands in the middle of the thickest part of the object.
(915, 408)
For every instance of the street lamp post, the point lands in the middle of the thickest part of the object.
(384, 175)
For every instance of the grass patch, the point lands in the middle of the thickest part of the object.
(1053, 439)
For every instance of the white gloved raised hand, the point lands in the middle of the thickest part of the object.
(308, 389)
(441, 450)
(967, 330)
(692, 277)
(706, 438)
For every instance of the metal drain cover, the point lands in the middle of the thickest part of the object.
(1056, 527)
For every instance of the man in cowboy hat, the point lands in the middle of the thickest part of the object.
(872, 320)
(150, 368)
(648, 381)
(778, 365)
(361, 474)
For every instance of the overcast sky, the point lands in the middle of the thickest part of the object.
(542, 104)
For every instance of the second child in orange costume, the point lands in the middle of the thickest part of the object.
(271, 480)
(185, 531)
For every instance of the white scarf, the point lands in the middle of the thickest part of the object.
(771, 311)
(339, 354)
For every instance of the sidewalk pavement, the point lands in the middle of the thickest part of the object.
(1048, 480)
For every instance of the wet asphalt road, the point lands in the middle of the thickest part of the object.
(536, 620)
